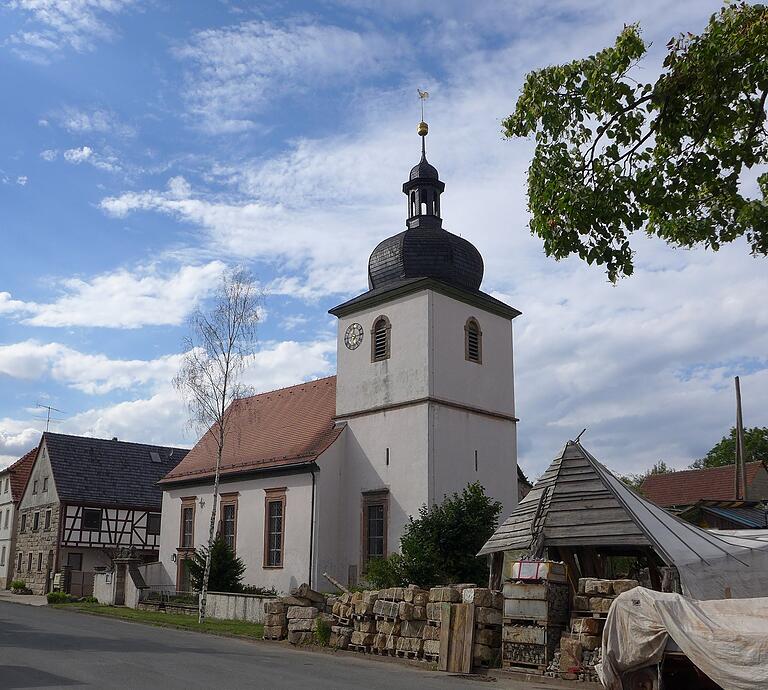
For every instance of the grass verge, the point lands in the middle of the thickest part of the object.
(180, 621)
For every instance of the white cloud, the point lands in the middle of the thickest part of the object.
(95, 121)
(49, 154)
(85, 154)
(22, 180)
(122, 299)
(239, 70)
(16, 439)
(57, 25)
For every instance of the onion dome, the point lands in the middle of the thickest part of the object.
(425, 249)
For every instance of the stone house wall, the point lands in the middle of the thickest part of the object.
(40, 543)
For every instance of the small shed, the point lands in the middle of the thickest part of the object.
(580, 513)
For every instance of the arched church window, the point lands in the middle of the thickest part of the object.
(473, 341)
(380, 337)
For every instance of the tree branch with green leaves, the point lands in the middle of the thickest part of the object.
(615, 156)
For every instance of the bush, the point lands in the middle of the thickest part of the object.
(89, 600)
(322, 631)
(226, 568)
(60, 598)
(18, 584)
(261, 591)
(439, 546)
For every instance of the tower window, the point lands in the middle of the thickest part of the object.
(473, 342)
(380, 340)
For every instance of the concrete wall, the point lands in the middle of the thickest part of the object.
(362, 384)
(250, 527)
(104, 587)
(238, 607)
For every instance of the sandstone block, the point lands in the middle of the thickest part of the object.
(300, 638)
(594, 586)
(435, 611)
(570, 655)
(487, 616)
(301, 625)
(410, 644)
(430, 632)
(587, 626)
(369, 597)
(305, 592)
(272, 631)
(295, 601)
(275, 619)
(431, 647)
(388, 627)
(380, 641)
(600, 604)
(361, 638)
(488, 637)
(275, 606)
(482, 653)
(591, 642)
(440, 594)
(580, 602)
(416, 596)
(411, 628)
(479, 596)
(363, 608)
(339, 641)
(405, 611)
(497, 600)
(367, 626)
(302, 612)
(419, 613)
(621, 586)
(391, 609)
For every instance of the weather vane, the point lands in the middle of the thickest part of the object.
(423, 129)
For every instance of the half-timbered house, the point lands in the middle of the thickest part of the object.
(85, 501)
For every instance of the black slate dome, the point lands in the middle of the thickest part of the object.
(425, 249)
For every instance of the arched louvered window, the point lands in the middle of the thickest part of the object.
(380, 339)
(473, 342)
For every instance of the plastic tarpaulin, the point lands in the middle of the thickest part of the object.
(727, 639)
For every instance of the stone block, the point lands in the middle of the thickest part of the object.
(621, 586)
(388, 627)
(275, 619)
(587, 626)
(339, 640)
(367, 626)
(410, 644)
(361, 638)
(482, 653)
(594, 586)
(305, 592)
(431, 647)
(416, 596)
(497, 600)
(441, 594)
(419, 613)
(479, 596)
(275, 607)
(380, 641)
(405, 611)
(570, 655)
(580, 602)
(301, 625)
(600, 604)
(300, 638)
(487, 616)
(295, 601)
(488, 637)
(430, 632)
(302, 612)
(369, 597)
(391, 609)
(411, 628)
(590, 642)
(272, 631)
(435, 611)
(363, 608)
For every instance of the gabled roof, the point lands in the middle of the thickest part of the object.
(289, 426)
(747, 514)
(102, 472)
(579, 502)
(19, 473)
(686, 487)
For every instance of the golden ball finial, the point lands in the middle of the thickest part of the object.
(423, 129)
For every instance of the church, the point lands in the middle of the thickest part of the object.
(323, 476)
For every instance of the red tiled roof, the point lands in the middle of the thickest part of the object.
(689, 486)
(19, 473)
(282, 427)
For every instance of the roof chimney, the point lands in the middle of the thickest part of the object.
(114, 438)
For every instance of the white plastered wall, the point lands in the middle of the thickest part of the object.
(250, 526)
(7, 517)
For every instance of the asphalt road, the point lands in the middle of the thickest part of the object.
(50, 648)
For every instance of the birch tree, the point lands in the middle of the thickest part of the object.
(218, 350)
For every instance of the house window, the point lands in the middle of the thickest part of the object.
(45, 484)
(2, 556)
(29, 562)
(75, 561)
(36, 522)
(7, 517)
(91, 519)
(34, 487)
(187, 533)
(380, 339)
(40, 562)
(473, 342)
(23, 527)
(49, 563)
(5, 491)
(183, 579)
(47, 519)
(274, 519)
(228, 525)
(374, 522)
(20, 559)
(153, 523)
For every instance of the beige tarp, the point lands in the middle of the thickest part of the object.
(726, 638)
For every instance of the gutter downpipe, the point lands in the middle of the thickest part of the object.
(312, 529)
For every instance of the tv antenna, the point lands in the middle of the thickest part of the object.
(48, 409)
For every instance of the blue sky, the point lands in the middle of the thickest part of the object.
(145, 146)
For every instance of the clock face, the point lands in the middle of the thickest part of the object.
(354, 336)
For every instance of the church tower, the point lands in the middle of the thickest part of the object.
(425, 382)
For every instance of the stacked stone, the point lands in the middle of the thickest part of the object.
(305, 608)
(486, 650)
(431, 631)
(276, 620)
(581, 648)
(342, 629)
(363, 621)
